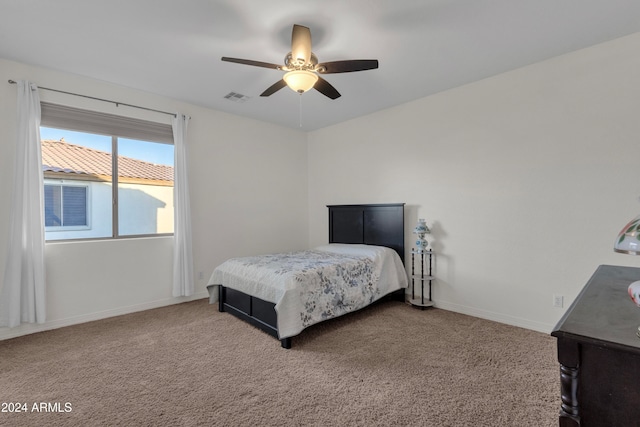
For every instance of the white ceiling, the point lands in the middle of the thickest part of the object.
(173, 48)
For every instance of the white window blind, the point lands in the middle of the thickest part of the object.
(64, 117)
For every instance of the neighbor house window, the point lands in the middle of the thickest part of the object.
(106, 176)
(66, 207)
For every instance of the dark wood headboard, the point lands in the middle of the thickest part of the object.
(381, 224)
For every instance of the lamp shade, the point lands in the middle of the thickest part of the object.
(628, 240)
(421, 227)
(300, 80)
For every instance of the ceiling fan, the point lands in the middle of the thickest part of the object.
(302, 67)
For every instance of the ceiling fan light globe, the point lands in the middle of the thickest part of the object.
(300, 80)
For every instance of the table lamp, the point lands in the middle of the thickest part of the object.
(628, 242)
(421, 229)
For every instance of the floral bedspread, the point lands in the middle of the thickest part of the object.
(308, 287)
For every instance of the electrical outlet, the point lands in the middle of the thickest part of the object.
(558, 301)
(200, 275)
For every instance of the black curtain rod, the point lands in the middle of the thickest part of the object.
(101, 99)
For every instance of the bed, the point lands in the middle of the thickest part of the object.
(283, 294)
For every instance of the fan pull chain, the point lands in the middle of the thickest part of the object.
(300, 111)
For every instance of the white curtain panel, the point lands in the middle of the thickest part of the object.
(22, 298)
(182, 254)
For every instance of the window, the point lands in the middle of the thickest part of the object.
(105, 175)
(66, 206)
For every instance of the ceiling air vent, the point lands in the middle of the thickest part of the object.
(236, 97)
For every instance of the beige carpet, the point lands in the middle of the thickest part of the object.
(189, 365)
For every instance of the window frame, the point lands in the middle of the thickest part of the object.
(110, 125)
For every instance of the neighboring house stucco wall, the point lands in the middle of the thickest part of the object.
(139, 203)
(143, 209)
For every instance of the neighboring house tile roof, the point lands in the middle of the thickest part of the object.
(60, 156)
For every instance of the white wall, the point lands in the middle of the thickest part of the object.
(145, 209)
(248, 193)
(526, 178)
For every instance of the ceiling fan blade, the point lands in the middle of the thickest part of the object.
(325, 88)
(301, 43)
(250, 62)
(347, 66)
(274, 88)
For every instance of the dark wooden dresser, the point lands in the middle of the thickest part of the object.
(599, 353)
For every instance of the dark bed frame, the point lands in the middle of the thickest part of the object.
(379, 224)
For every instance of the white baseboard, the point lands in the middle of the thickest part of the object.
(31, 328)
(496, 317)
